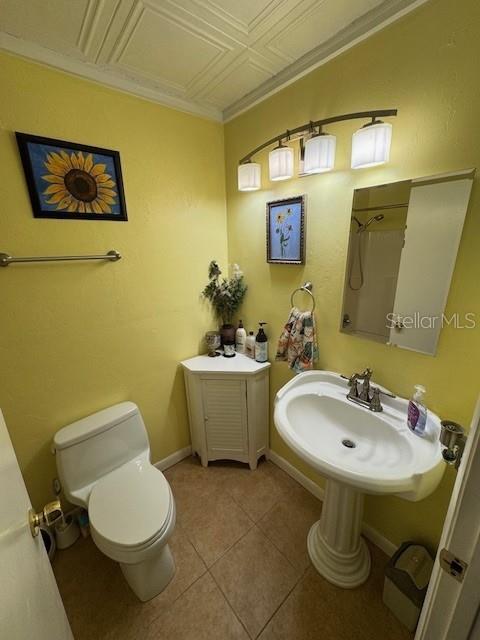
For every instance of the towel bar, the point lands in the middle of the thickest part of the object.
(6, 259)
(307, 288)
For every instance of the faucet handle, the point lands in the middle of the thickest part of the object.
(350, 379)
(375, 404)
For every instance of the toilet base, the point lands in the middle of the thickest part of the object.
(149, 578)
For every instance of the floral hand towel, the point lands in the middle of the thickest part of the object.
(298, 343)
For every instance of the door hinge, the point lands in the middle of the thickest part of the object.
(453, 565)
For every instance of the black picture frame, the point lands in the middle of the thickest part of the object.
(277, 214)
(96, 194)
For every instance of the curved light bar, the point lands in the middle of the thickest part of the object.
(370, 147)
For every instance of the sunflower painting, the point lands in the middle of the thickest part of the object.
(285, 231)
(68, 180)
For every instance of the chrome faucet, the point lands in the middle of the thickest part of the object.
(364, 394)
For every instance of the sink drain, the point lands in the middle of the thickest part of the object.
(349, 443)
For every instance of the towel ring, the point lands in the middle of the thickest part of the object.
(307, 288)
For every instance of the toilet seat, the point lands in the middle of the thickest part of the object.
(131, 508)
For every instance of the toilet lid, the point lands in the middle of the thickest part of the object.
(130, 505)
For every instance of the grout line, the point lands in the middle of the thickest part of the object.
(300, 577)
(161, 613)
(231, 547)
(228, 602)
(297, 582)
(226, 550)
(301, 573)
(166, 609)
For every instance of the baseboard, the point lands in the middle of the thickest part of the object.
(369, 532)
(378, 539)
(297, 475)
(173, 458)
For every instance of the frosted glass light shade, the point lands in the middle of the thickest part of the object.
(280, 163)
(371, 145)
(319, 154)
(249, 176)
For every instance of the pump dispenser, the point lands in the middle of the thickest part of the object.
(417, 411)
(261, 344)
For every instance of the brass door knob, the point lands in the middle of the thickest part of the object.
(50, 513)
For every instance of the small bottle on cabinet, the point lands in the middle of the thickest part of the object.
(240, 338)
(261, 345)
(250, 345)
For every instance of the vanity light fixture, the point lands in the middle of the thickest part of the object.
(371, 144)
(370, 147)
(249, 176)
(319, 153)
(280, 162)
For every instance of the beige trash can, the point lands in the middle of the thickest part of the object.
(406, 581)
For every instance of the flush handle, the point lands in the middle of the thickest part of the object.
(51, 512)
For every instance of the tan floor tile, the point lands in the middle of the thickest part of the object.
(98, 601)
(254, 573)
(255, 491)
(316, 609)
(201, 613)
(288, 522)
(214, 524)
(191, 483)
(255, 578)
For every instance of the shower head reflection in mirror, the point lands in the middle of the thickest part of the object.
(358, 244)
(401, 255)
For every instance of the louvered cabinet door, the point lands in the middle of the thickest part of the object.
(225, 415)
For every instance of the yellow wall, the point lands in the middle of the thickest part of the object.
(75, 338)
(424, 65)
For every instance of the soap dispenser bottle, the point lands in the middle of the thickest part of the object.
(261, 345)
(417, 411)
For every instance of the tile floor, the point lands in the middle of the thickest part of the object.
(242, 570)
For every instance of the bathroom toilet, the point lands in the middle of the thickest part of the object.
(103, 462)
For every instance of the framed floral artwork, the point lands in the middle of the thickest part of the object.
(286, 231)
(72, 181)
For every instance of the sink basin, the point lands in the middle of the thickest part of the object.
(359, 452)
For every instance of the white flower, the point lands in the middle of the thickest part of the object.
(237, 272)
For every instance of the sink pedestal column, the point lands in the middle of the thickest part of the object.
(335, 545)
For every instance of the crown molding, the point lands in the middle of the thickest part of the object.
(88, 71)
(362, 28)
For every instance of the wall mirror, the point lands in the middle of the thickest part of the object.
(404, 239)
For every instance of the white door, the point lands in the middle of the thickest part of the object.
(451, 606)
(30, 604)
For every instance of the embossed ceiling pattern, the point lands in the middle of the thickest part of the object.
(212, 57)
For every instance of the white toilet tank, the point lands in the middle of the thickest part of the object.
(90, 448)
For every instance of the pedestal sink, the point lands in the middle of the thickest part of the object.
(359, 452)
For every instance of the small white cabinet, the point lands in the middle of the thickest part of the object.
(227, 407)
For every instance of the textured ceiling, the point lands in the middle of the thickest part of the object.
(211, 57)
